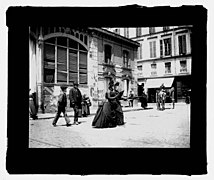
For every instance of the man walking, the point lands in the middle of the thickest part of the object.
(62, 103)
(75, 97)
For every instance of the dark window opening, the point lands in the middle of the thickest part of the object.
(107, 54)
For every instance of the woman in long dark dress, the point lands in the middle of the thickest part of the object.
(118, 107)
(106, 115)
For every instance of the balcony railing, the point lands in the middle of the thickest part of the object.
(154, 73)
(168, 72)
(183, 70)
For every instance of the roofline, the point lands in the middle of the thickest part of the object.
(127, 40)
(161, 32)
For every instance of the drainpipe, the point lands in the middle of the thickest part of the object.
(174, 56)
(40, 72)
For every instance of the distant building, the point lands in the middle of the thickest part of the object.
(164, 56)
(90, 56)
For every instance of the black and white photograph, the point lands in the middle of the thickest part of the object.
(110, 87)
(107, 90)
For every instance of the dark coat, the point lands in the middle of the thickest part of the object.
(62, 101)
(75, 97)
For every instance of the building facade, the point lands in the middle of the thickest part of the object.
(164, 57)
(89, 56)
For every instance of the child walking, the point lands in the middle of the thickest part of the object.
(62, 103)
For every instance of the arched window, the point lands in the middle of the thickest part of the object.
(65, 61)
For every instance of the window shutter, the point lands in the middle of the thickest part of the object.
(161, 48)
(170, 46)
(154, 49)
(72, 65)
(83, 68)
(61, 59)
(180, 44)
(184, 44)
(61, 64)
(150, 45)
(49, 52)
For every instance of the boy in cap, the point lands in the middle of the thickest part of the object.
(62, 103)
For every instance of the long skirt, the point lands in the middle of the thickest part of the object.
(105, 117)
(119, 115)
(32, 109)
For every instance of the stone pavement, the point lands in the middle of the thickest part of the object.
(143, 128)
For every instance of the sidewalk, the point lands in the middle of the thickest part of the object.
(93, 110)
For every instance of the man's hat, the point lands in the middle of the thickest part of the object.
(76, 83)
(63, 88)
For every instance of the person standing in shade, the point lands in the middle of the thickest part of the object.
(32, 107)
(75, 97)
(86, 103)
(172, 94)
(62, 103)
(131, 99)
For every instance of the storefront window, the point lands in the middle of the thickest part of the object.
(65, 61)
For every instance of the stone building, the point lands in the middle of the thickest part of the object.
(164, 57)
(89, 56)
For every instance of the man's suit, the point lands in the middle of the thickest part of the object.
(75, 97)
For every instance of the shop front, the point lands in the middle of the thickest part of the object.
(152, 85)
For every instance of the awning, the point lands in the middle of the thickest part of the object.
(156, 83)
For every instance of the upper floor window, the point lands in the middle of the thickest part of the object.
(152, 46)
(140, 52)
(168, 68)
(183, 66)
(138, 32)
(182, 44)
(126, 58)
(151, 30)
(165, 47)
(107, 54)
(154, 69)
(140, 68)
(165, 28)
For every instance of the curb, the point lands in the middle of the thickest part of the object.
(93, 113)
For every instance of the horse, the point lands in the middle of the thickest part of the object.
(160, 99)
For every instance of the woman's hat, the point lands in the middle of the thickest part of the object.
(117, 84)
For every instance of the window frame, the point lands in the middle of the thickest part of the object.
(107, 54)
(126, 59)
(183, 69)
(67, 59)
(168, 67)
(182, 44)
(154, 70)
(152, 47)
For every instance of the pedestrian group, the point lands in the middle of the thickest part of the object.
(109, 113)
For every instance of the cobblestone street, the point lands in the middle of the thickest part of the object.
(143, 128)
